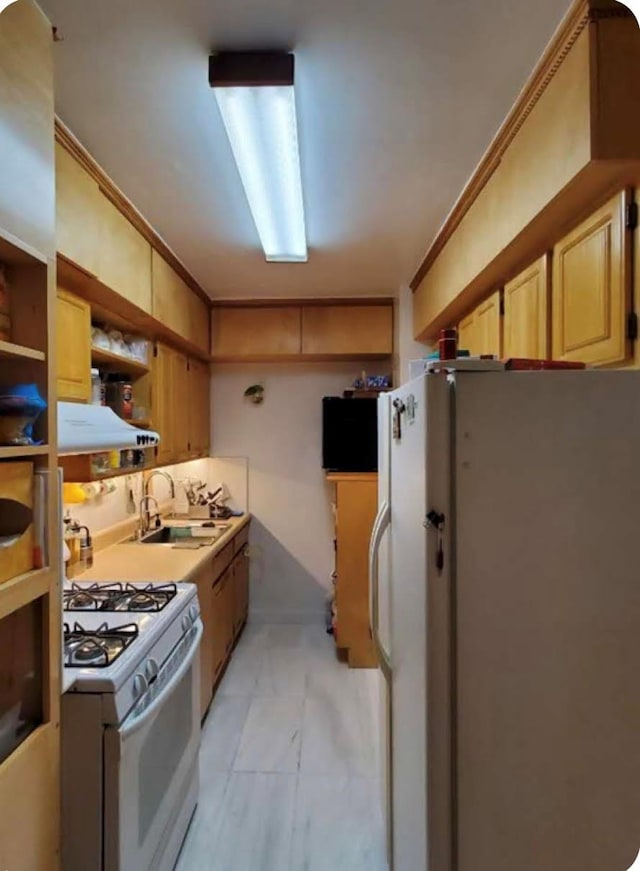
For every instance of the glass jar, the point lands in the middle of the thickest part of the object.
(96, 388)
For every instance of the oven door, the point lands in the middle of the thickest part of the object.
(151, 768)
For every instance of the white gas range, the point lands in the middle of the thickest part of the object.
(130, 724)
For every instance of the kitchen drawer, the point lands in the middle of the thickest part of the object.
(222, 560)
(241, 539)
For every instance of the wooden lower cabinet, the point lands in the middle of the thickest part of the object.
(221, 621)
(241, 589)
(223, 591)
(592, 288)
(205, 597)
(357, 505)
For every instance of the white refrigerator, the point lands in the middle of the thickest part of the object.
(505, 598)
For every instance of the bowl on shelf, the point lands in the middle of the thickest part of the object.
(20, 407)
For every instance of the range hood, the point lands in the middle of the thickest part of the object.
(87, 429)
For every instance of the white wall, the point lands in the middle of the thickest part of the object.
(406, 346)
(292, 531)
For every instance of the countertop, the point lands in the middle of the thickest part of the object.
(156, 562)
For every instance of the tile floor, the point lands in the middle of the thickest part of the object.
(290, 761)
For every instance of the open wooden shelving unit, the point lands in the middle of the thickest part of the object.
(8, 349)
(117, 363)
(30, 603)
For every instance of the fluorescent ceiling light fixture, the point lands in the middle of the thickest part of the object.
(256, 98)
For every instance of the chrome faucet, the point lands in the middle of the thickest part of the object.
(145, 516)
(166, 476)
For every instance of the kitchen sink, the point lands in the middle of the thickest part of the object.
(180, 535)
(163, 535)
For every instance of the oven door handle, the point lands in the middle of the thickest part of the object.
(135, 722)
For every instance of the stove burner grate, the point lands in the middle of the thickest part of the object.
(119, 597)
(97, 648)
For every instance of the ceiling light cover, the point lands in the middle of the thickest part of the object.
(262, 129)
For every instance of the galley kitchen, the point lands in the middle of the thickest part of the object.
(319, 426)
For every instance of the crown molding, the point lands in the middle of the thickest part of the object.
(580, 15)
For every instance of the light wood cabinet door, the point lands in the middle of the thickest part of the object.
(125, 257)
(198, 409)
(591, 291)
(162, 412)
(526, 312)
(241, 564)
(27, 192)
(361, 330)
(179, 401)
(73, 347)
(205, 594)
(78, 213)
(357, 504)
(177, 306)
(255, 332)
(467, 334)
(218, 626)
(488, 326)
(230, 607)
(199, 322)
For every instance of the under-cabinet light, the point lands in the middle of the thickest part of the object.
(256, 98)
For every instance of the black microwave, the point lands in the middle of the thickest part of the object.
(349, 434)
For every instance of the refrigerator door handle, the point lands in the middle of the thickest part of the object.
(380, 525)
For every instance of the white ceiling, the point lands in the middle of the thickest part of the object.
(397, 101)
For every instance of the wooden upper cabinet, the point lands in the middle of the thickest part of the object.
(78, 213)
(480, 332)
(177, 306)
(467, 334)
(124, 263)
(488, 326)
(262, 332)
(179, 401)
(199, 322)
(591, 294)
(73, 347)
(526, 312)
(198, 410)
(27, 192)
(359, 330)
(162, 403)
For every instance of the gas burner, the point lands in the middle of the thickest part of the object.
(97, 648)
(118, 597)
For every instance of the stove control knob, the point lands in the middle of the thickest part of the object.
(193, 613)
(186, 623)
(151, 669)
(139, 685)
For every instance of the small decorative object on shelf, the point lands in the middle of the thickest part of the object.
(20, 407)
(368, 386)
